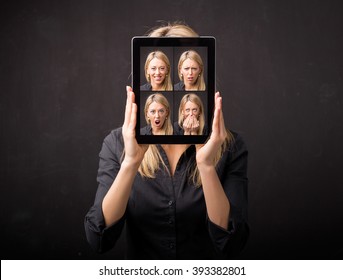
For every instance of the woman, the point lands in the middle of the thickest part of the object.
(157, 69)
(191, 72)
(157, 116)
(191, 116)
(178, 201)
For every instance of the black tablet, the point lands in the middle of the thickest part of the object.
(174, 83)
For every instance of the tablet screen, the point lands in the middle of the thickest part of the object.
(174, 83)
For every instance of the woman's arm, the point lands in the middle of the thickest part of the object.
(217, 203)
(115, 201)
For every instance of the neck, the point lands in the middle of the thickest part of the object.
(174, 153)
(157, 132)
(156, 87)
(189, 86)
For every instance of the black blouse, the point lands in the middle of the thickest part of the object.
(166, 216)
(179, 86)
(146, 86)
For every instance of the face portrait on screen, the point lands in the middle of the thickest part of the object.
(157, 72)
(191, 115)
(157, 114)
(191, 72)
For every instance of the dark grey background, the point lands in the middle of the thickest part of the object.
(64, 67)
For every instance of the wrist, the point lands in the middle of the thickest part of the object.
(205, 166)
(131, 164)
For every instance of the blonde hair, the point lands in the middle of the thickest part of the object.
(193, 55)
(167, 83)
(159, 98)
(152, 158)
(176, 29)
(196, 100)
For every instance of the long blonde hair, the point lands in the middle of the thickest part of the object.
(167, 83)
(192, 97)
(152, 158)
(193, 55)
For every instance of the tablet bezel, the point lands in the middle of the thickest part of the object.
(204, 41)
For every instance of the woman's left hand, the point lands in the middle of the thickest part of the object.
(217, 202)
(206, 153)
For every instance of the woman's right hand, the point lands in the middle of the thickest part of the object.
(134, 152)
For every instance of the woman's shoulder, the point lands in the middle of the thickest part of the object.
(114, 138)
(146, 86)
(113, 145)
(177, 130)
(237, 142)
(234, 157)
(146, 130)
(179, 86)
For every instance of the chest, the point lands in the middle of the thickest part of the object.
(166, 198)
(173, 154)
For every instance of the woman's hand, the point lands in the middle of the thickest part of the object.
(115, 200)
(134, 152)
(191, 125)
(206, 153)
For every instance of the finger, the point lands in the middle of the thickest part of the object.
(133, 117)
(194, 123)
(129, 102)
(222, 124)
(128, 106)
(215, 124)
(190, 122)
(216, 96)
(222, 129)
(216, 117)
(197, 124)
(187, 121)
(217, 101)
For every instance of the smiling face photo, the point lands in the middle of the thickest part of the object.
(157, 72)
